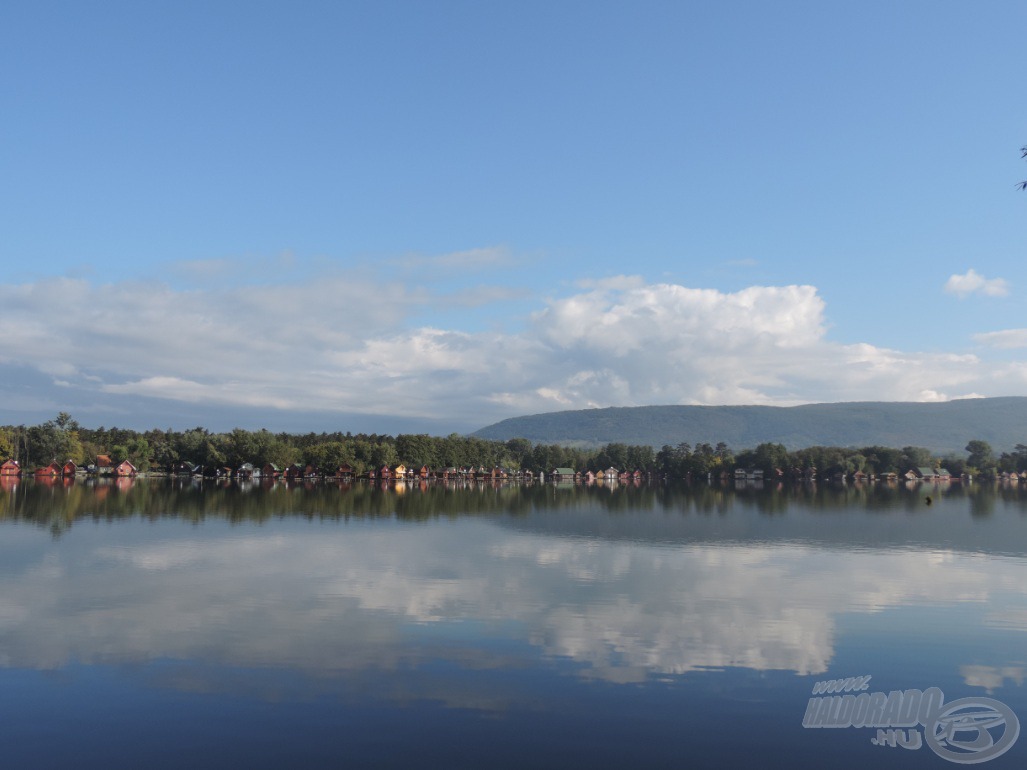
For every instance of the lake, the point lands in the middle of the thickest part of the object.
(165, 623)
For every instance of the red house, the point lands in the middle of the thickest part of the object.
(51, 471)
(10, 468)
(124, 468)
(69, 468)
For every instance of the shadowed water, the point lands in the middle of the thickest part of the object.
(165, 623)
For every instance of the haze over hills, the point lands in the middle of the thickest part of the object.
(940, 427)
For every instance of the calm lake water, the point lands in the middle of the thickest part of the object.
(169, 624)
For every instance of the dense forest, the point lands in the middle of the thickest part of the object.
(63, 439)
(942, 427)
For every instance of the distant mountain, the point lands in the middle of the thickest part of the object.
(941, 427)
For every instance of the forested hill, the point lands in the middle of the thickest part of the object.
(940, 427)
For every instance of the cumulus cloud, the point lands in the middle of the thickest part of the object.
(347, 344)
(974, 283)
(991, 678)
(622, 610)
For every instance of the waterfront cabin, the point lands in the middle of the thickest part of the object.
(928, 474)
(751, 474)
(562, 474)
(124, 468)
(270, 471)
(10, 468)
(69, 469)
(245, 471)
(51, 471)
(104, 465)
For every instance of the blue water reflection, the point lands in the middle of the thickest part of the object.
(547, 629)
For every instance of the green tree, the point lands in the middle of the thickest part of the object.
(162, 449)
(916, 457)
(383, 454)
(240, 447)
(981, 456)
(6, 444)
(641, 458)
(768, 457)
(54, 440)
(883, 459)
(139, 453)
(269, 448)
(330, 455)
(517, 450)
(417, 449)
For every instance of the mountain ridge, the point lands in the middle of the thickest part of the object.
(939, 426)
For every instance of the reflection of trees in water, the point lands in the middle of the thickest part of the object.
(59, 505)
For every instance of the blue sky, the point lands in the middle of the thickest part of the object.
(403, 216)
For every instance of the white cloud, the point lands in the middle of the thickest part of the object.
(345, 344)
(458, 261)
(623, 610)
(991, 678)
(975, 283)
(1008, 338)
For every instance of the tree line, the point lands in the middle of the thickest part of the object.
(63, 438)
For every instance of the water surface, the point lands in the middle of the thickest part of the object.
(170, 623)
